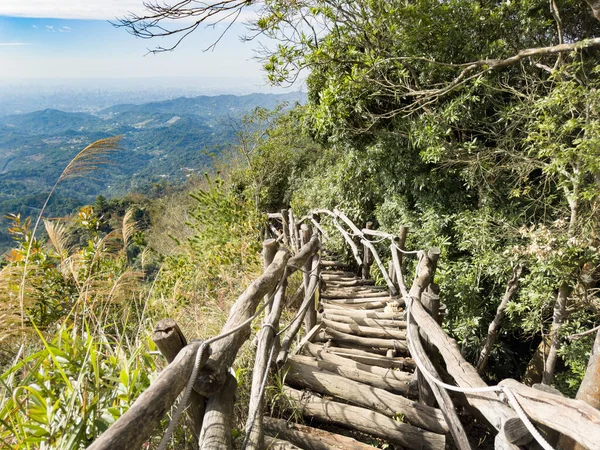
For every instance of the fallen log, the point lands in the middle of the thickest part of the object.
(303, 375)
(308, 364)
(362, 330)
(367, 342)
(376, 323)
(311, 438)
(367, 421)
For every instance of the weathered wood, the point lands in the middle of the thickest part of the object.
(431, 302)
(214, 373)
(589, 390)
(134, 427)
(366, 421)
(375, 323)
(170, 340)
(367, 261)
(310, 318)
(285, 229)
(377, 233)
(270, 247)
(362, 330)
(441, 395)
(348, 282)
(332, 294)
(305, 255)
(371, 247)
(332, 304)
(305, 373)
(266, 340)
(501, 443)
(465, 375)
(367, 342)
(401, 243)
(272, 443)
(312, 333)
(322, 353)
(344, 233)
(216, 428)
(311, 438)
(349, 371)
(294, 238)
(573, 418)
(371, 358)
(307, 303)
(359, 314)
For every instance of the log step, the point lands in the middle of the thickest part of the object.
(367, 421)
(350, 374)
(310, 438)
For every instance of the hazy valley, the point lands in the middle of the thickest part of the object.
(163, 143)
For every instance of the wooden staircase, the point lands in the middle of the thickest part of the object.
(352, 374)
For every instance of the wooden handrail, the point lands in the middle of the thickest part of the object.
(134, 427)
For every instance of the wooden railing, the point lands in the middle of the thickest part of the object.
(210, 399)
(203, 368)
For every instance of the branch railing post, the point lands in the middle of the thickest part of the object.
(270, 247)
(367, 261)
(284, 227)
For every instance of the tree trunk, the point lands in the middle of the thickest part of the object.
(511, 289)
(560, 313)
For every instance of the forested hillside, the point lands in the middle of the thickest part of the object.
(474, 123)
(163, 143)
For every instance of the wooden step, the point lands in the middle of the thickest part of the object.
(394, 344)
(380, 400)
(376, 323)
(319, 353)
(307, 364)
(310, 438)
(332, 304)
(367, 421)
(366, 331)
(402, 363)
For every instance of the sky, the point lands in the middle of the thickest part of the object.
(72, 39)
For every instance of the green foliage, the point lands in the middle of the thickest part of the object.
(72, 389)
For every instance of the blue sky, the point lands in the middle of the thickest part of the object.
(43, 39)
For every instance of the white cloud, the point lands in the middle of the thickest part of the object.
(70, 9)
(50, 28)
(13, 44)
(65, 29)
(86, 9)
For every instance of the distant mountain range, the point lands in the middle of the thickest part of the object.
(162, 141)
